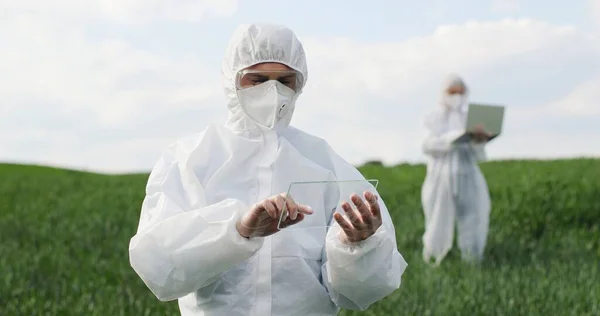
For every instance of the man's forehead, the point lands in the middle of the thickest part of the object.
(456, 88)
(285, 74)
(271, 66)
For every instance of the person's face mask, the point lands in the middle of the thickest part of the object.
(455, 101)
(267, 103)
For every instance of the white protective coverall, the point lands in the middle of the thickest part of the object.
(454, 190)
(187, 246)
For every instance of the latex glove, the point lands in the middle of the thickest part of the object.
(480, 136)
(263, 218)
(361, 223)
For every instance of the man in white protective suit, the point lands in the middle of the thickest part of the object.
(455, 191)
(208, 233)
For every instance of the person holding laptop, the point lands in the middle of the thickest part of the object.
(454, 191)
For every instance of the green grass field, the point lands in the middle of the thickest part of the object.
(64, 238)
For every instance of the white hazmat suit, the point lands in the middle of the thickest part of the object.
(455, 191)
(187, 246)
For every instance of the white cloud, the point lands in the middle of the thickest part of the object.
(125, 11)
(594, 6)
(583, 101)
(69, 99)
(63, 95)
(384, 68)
(377, 93)
(111, 80)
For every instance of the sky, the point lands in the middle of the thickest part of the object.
(106, 85)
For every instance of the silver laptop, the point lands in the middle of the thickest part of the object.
(490, 116)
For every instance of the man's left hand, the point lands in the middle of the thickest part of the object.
(360, 224)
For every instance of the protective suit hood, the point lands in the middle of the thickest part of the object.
(453, 80)
(252, 44)
(443, 117)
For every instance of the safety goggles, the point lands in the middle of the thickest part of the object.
(250, 78)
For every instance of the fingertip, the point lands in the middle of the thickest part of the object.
(299, 218)
(308, 209)
(347, 207)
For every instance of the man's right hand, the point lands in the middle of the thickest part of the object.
(262, 219)
(480, 135)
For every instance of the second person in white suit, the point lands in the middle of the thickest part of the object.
(455, 193)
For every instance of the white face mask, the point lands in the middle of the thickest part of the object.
(267, 103)
(455, 101)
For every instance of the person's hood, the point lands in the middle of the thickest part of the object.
(452, 80)
(440, 118)
(253, 44)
